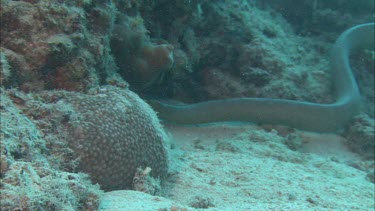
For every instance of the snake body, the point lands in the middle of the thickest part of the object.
(298, 114)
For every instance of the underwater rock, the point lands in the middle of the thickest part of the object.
(218, 84)
(55, 44)
(360, 136)
(319, 17)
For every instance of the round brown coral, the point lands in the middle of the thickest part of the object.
(113, 132)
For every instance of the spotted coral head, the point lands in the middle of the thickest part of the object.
(114, 134)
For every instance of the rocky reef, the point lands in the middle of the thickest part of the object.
(72, 71)
(33, 174)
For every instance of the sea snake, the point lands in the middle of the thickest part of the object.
(298, 114)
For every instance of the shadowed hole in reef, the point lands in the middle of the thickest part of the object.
(17, 155)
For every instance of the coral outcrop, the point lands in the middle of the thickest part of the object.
(56, 44)
(66, 45)
(32, 177)
(111, 131)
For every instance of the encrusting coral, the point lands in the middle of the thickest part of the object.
(57, 44)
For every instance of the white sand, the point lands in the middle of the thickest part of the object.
(243, 167)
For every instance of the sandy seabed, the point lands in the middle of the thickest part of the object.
(243, 167)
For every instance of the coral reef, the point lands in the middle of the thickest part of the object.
(50, 45)
(218, 84)
(319, 17)
(108, 134)
(185, 50)
(360, 136)
(111, 131)
(31, 176)
(66, 45)
(57, 45)
(238, 39)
